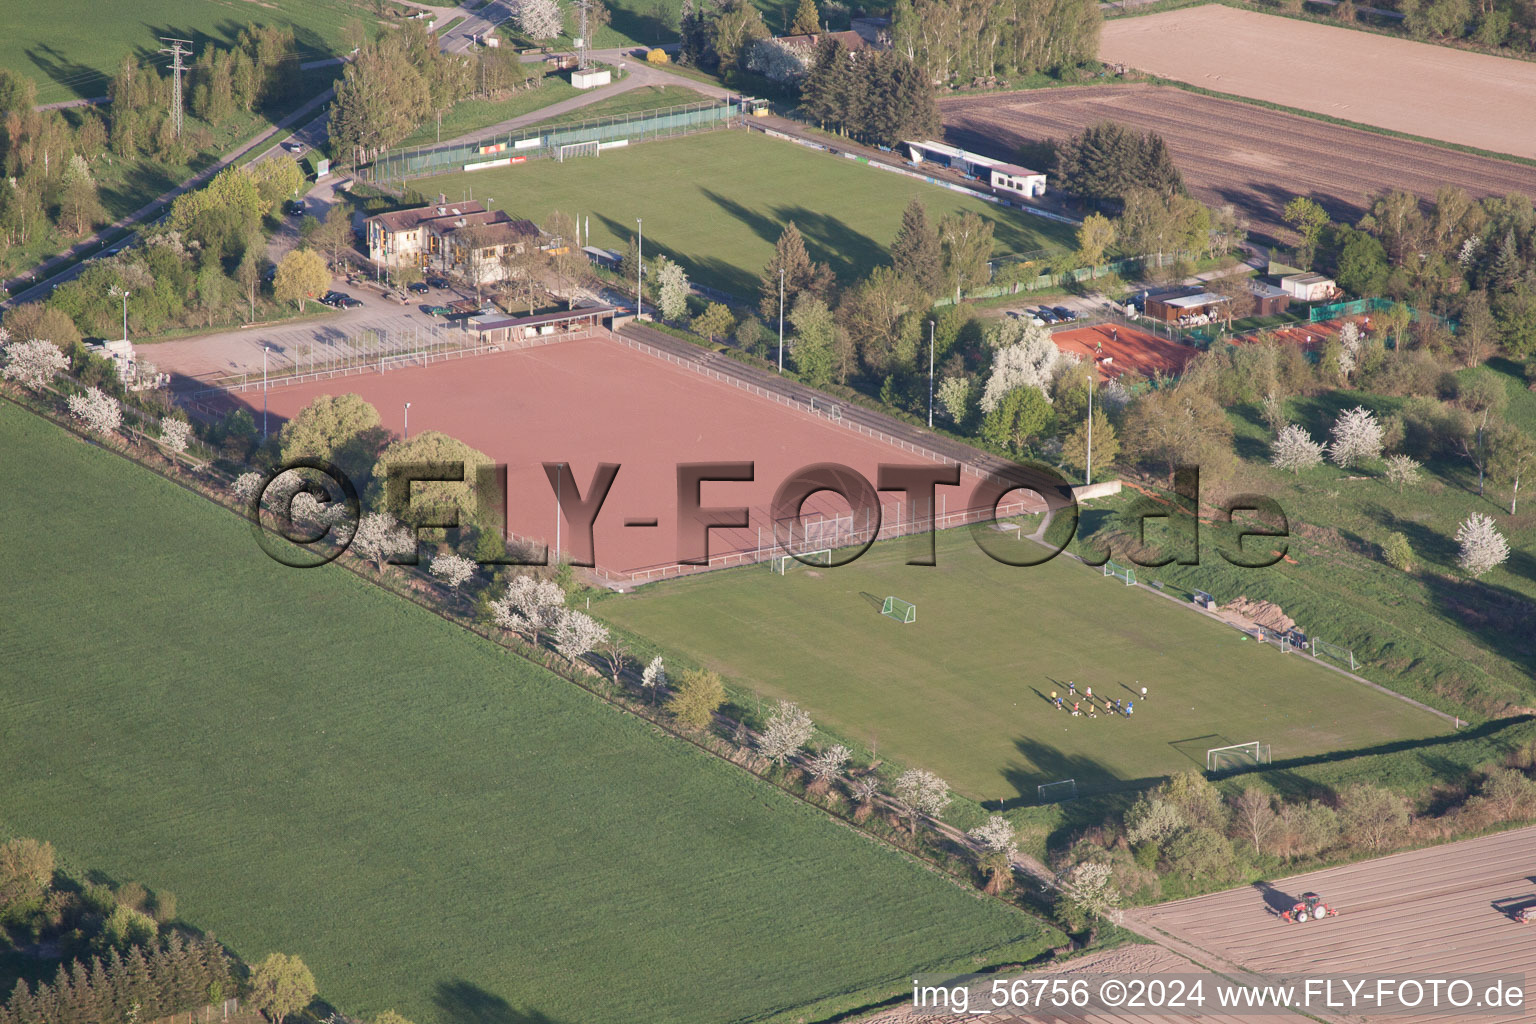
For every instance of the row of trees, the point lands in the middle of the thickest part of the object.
(1188, 834)
(149, 981)
(877, 96)
(390, 87)
(975, 42)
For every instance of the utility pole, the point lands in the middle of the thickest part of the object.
(1088, 477)
(581, 40)
(781, 319)
(639, 264)
(176, 52)
(930, 374)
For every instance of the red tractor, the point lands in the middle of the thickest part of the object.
(1523, 915)
(1309, 908)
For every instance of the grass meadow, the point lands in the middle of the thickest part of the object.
(74, 49)
(964, 690)
(722, 217)
(315, 766)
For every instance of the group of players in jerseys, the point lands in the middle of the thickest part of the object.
(1090, 705)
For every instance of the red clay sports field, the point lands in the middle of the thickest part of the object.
(601, 399)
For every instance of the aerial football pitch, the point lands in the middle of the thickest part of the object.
(964, 689)
(318, 767)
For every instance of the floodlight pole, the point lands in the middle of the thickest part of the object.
(407, 421)
(559, 482)
(264, 351)
(125, 316)
(781, 319)
(930, 374)
(639, 264)
(1088, 476)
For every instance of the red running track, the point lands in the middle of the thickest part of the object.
(595, 400)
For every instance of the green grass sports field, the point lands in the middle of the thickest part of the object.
(722, 217)
(964, 690)
(72, 48)
(315, 766)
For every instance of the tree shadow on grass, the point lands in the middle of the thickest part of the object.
(463, 1002)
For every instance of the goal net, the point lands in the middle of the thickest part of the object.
(1343, 655)
(1238, 755)
(781, 564)
(574, 149)
(901, 611)
(1055, 792)
(1121, 572)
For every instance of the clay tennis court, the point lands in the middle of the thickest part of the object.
(1121, 349)
(594, 400)
(1434, 92)
(1436, 912)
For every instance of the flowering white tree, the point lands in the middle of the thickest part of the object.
(1356, 437)
(381, 537)
(1090, 887)
(175, 434)
(97, 410)
(922, 792)
(1349, 348)
(1030, 363)
(1152, 819)
(454, 570)
(1115, 395)
(530, 606)
(787, 731)
(828, 764)
(1482, 545)
(995, 835)
(654, 679)
(539, 19)
(578, 634)
(33, 364)
(777, 60)
(673, 284)
(1295, 450)
(955, 397)
(1402, 471)
(244, 487)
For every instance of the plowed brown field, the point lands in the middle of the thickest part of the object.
(1233, 152)
(1434, 92)
(1428, 913)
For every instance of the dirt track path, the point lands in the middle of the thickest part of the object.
(1234, 152)
(1429, 913)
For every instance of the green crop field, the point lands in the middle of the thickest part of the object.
(964, 690)
(717, 202)
(73, 47)
(315, 766)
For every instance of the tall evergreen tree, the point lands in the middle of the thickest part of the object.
(800, 275)
(807, 19)
(916, 253)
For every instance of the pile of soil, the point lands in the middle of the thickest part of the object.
(1261, 613)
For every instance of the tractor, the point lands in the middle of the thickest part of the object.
(1523, 915)
(1309, 908)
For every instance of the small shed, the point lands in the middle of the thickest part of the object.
(1269, 299)
(591, 78)
(605, 258)
(1309, 287)
(1013, 178)
(1198, 308)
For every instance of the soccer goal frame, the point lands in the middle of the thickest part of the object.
(1343, 655)
(781, 564)
(1122, 572)
(901, 611)
(1237, 755)
(578, 149)
(1057, 792)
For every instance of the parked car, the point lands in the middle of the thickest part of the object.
(329, 298)
(294, 208)
(1066, 314)
(344, 301)
(1046, 316)
(437, 311)
(419, 287)
(438, 282)
(294, 147)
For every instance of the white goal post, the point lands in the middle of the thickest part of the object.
(1238, 755)
(901, 611)
(1122, 572)
(781, 564)
(1055, 792)
(575, 149)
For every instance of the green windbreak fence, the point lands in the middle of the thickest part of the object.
(1359, 307)
(558, 141)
